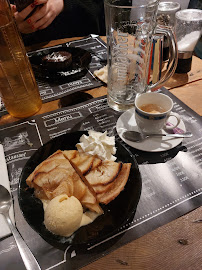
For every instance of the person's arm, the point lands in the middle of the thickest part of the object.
(76, 18)
(92, 7)
(86, 13)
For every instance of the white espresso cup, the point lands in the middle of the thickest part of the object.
(152, 111)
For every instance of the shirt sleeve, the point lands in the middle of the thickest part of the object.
(90, 12)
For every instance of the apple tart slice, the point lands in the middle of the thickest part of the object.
(88, 178)
(106, 178)
(56, 176)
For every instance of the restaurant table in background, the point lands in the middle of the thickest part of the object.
(178, 244)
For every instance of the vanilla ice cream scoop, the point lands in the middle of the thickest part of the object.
(63, 215)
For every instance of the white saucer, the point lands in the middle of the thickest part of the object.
(153, 144)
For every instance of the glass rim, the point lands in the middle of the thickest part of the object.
(152, 4)
(168, 6)
(181, 15)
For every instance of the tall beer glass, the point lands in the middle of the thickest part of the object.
(131, 26)
(18, 86)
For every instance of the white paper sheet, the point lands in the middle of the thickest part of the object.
(4, 181)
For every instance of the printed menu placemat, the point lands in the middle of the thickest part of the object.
(52, 90)
(171, 180)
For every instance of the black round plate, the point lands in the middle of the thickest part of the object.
(116, 214)
(78, 68)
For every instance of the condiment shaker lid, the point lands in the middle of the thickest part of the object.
(166, 13)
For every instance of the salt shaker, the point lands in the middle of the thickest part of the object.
(188, 29)
(166, 17)
(18, 87)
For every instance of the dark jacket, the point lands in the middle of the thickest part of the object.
(79, 18)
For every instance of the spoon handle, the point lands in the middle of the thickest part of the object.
(177, 135)
(27, 256)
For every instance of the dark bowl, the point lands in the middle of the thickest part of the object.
(77, 69)
(116, 213)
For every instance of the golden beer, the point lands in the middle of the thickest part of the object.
(18, 87)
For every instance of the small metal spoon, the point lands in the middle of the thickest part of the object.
(135, 136)
(27, 256)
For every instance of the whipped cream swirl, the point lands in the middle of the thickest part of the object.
(98, 143)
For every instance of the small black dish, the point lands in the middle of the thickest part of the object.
(78, 68)
(116, 214)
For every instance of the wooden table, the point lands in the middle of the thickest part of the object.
(178, 244)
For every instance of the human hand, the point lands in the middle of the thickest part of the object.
(13, 8)
(46, 11)
(20, 16)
